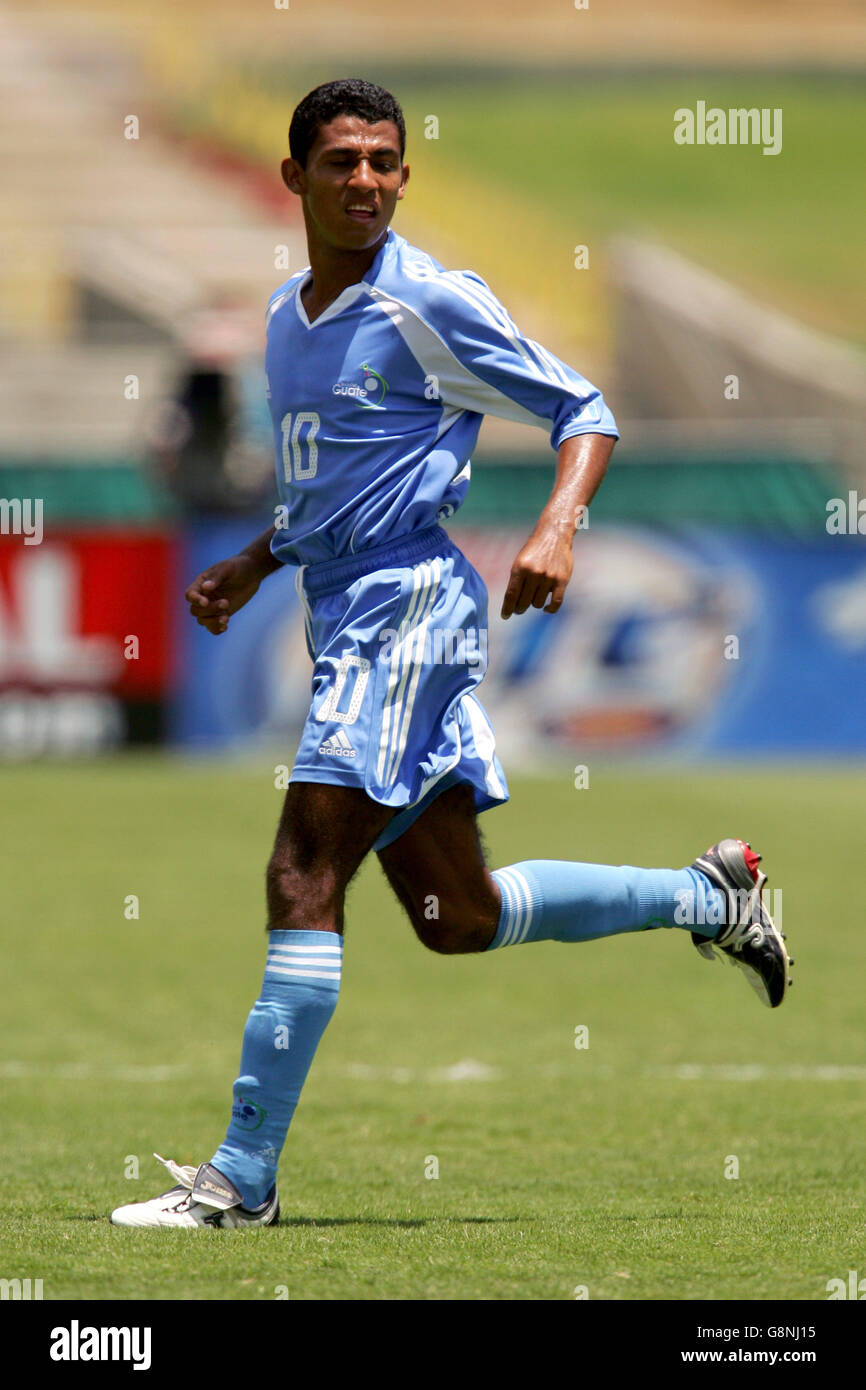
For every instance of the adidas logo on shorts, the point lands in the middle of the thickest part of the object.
(338, 746)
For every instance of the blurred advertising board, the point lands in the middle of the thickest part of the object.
(86, 661)
(694, 643)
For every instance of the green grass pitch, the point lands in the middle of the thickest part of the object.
(558, 1167)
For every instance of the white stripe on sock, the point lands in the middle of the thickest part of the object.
(280, 946)
(517, 906)
(527, 902)
(507, 905)
(287, 958)
(303, 970)
(519, 912)
(299, 974)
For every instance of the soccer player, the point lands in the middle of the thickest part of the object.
(380, 366)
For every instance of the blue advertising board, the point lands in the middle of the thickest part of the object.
(692, 642)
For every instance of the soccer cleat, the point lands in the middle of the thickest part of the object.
(202, 1197)
(750, 939)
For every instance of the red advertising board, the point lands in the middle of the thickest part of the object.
(85, 639)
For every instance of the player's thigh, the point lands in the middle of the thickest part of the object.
(437, 870)
(328, 829)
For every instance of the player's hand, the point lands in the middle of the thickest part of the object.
(221, 590)
(540, 574)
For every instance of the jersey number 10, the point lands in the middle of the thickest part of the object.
(295, 467)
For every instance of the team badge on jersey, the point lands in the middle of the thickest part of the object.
(369, 394)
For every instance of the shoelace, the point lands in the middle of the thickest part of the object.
(185, 1175)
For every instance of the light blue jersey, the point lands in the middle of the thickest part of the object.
(376, 408)
(377, 404)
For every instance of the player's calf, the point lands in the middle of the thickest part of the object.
(447, 924)
(453, 936)
(438, 873)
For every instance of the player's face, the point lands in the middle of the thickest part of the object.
(352, 181)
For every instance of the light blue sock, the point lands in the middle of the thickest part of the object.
(555, 900)
(297, 1002)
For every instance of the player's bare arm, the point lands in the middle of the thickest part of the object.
(223, 588)
(540, 574)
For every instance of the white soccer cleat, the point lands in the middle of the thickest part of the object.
(202, 1197)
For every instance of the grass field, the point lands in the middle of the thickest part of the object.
(602, 1167)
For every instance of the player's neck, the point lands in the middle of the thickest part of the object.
(333, 270)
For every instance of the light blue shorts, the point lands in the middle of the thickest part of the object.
(398, 638)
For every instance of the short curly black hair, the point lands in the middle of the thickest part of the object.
(349, 96)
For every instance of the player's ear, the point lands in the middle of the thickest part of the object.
(293, 175)
(404, 179)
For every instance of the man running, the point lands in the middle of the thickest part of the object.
(380, 367)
